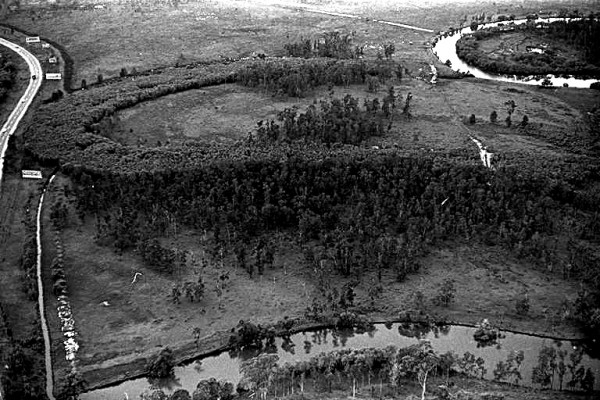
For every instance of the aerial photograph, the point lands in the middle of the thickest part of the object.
(299, 199)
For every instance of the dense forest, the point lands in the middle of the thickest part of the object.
(335, 121)
(582, 35)
(8, 73)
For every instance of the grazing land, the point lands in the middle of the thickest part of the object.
(199, 184)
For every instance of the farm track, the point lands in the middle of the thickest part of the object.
(42, 310)
(343, 15)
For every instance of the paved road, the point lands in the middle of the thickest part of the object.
(34, 84)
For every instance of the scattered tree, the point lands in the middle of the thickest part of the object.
(446, 293)
(522, 304)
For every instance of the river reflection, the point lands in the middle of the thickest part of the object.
(303, 346)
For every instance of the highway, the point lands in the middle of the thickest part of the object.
(19, 111)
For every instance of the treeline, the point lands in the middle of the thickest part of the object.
(331, 44)
(295, 77)
(335, 121)
(384, 372)
(394, 367)
(579, 34)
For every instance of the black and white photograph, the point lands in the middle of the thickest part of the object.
(299, 199)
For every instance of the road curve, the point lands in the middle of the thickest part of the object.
(19, 111)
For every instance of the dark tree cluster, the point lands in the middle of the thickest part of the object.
(343, 121)
(157, 257)
(331, 44)
(295, 77)
(8, 73)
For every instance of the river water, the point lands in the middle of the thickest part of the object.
(445, 49)
(458, 339)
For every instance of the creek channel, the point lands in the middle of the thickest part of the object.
(302, 346)
(445, 49)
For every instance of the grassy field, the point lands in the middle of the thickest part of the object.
(229, 112)
(146, 35)
(121, 37)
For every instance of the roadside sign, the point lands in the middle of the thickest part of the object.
(53, 76)
(32, 39)
(31, 174)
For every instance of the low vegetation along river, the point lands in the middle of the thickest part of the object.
(445, 49)
(303, 346)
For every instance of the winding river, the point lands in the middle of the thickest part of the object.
(445, 49)
(303, 346)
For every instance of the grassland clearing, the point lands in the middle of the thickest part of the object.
(230, 112)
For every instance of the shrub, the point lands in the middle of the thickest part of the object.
(161, 366)
(373, 83)
(348, 319)
(213, 389)
(522, 305)
(247, 334)
(445, 294)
